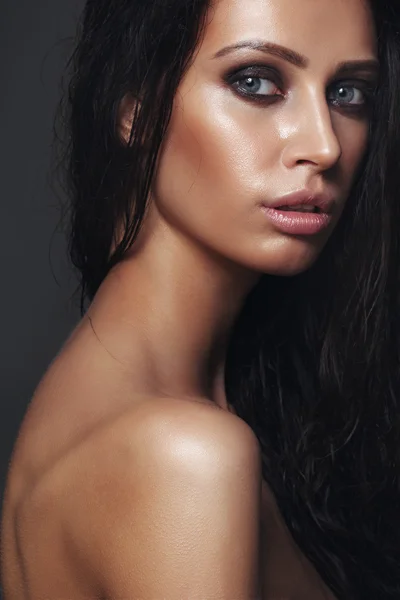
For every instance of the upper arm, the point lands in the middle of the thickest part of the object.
(184, 522)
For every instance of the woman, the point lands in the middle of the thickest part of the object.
(223, 422)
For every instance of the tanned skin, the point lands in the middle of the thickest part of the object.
(132, 478)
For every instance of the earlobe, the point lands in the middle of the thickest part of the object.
(126, 113)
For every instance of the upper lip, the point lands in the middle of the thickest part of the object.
(323, 201)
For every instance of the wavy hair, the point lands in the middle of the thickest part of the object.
(313, 362)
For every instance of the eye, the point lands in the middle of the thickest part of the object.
(256, 86)
(259, 83)
(348, 95)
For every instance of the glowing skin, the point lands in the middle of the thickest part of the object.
(153, 341)
(226, 154)
(207, 239)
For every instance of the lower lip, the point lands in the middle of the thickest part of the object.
(297, 223)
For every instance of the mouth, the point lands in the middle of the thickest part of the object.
(303, 213)
(303, 209)
(298, 220)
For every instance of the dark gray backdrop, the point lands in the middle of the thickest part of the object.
(36, 284)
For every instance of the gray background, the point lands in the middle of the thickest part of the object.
(36, 309)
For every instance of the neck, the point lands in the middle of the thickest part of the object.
(166, 313)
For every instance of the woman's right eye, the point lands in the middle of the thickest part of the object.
(256, 86)
(255, 83)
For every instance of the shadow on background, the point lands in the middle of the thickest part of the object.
(36, 279)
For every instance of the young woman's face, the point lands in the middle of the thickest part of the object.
(275, 102)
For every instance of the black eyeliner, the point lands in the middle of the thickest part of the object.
(262, 71)
(256, 71)
(367, 88)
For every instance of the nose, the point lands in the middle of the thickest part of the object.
(310, 138)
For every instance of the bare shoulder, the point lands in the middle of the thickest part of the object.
(168, 423)
(182, 434)
(148, 435)
(168, 504)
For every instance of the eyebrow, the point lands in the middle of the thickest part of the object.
(295, 58)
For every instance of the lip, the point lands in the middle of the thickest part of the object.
(298, 223)
(306, 198)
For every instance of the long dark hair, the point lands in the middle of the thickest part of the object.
(313, 364)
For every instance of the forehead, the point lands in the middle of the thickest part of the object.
(330, 29)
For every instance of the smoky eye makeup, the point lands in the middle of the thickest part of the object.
(260, 83)
(355, 94)
(351, 94)
(265, 84)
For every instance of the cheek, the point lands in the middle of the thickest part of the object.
(211, 155)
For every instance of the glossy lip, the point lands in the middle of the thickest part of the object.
(324, 202)
(297, 223)
(300, 223)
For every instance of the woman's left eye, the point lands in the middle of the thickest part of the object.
(350, 95)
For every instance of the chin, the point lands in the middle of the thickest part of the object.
(287, 260)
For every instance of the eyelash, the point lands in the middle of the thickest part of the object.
(270, 74)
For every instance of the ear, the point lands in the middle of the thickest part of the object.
(126, 112)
